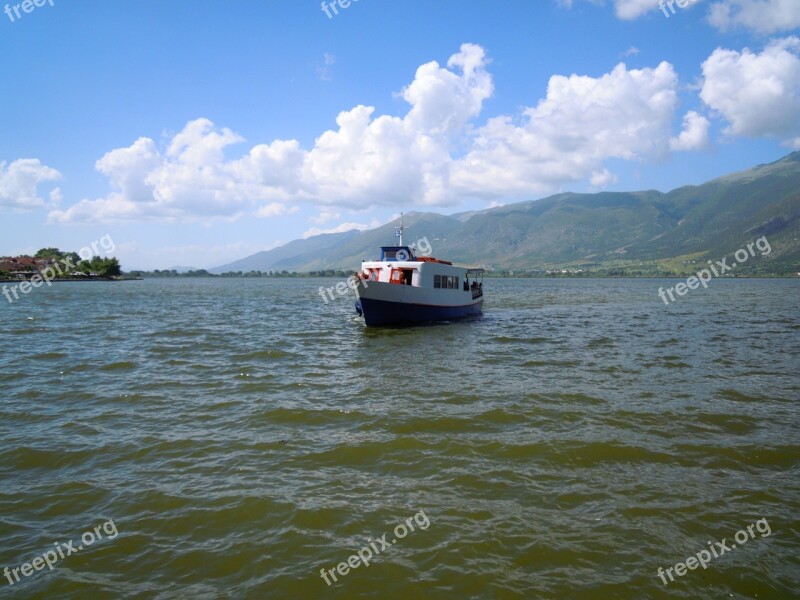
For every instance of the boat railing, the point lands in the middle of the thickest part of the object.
(476, 285)
(477, 289)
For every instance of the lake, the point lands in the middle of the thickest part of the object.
(240, 438)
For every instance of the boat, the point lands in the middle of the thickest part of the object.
(402, 288)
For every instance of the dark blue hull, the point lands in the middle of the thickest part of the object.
(382, 312)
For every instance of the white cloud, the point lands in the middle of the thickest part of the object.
(567, 136)
(694, 135)
(758, 94)
(190, 180)
(761, 16)
(19, 183)
(435, 155)
(56, 196)
(442, 101)
(328, 60)
(392, 160)
(275, 209)
(326, 215)
(628, 10)
(602, 179)
(129, 168)
(367, 160)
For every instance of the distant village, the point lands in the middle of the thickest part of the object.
(23, 267)
(58, 265)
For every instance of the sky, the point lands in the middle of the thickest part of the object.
(197, 133)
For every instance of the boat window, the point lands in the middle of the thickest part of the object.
(446, 282)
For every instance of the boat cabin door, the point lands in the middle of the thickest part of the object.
(402, 276)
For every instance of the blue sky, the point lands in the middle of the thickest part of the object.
(196, 133)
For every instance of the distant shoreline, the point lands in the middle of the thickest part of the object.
(75, 279)
(487, 276)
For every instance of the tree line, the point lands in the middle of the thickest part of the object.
(205, 273)
(71, 264)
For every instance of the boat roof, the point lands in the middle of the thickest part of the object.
(406, 254)
(389, 253)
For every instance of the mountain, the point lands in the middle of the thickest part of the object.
(288, 256)
(645, 232)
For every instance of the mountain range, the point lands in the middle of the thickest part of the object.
(645, 232)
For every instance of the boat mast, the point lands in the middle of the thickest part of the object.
(399, 230)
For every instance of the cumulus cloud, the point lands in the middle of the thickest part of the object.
(600, 180)
(391, 160)
(191, 179)
(583, 121)
(368, 159)
(629, 10)
(325, 215)
(56, 196)
(761, 16)
(758, 94)
(633, 9)
(324, 71)
(694, 135)
(275, 209)
(19, 184)
(435, 155)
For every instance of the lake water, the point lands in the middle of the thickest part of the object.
(234, 437)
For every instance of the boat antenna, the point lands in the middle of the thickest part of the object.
(398, 231)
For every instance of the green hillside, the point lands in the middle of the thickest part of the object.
(644, 233)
